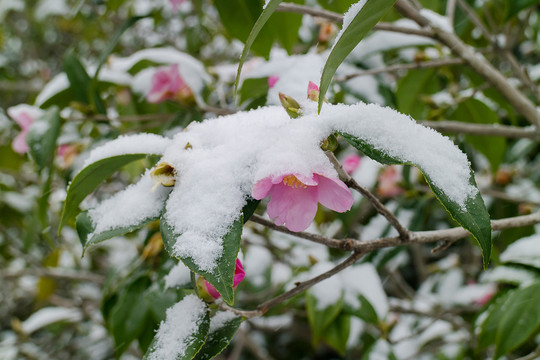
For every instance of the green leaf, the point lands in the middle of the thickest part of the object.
(409, 90)
(249, 208)
(474, 218)
(515, 6)
(128, 317)
(339, 6)
(88, 179)
(219, 339)
(364, 21)
(195, 341)
(42, 137)
(79, 80)
(488, 328)
(253, 89)
(159, 301)
(337, 333)
(85, 229)
(223, 275)
(271, 6)
(493, 147)
(519, 321)
(365, 311)
(320, 319)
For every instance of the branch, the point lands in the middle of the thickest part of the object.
(381, 209)
(57, 273)
(338, 18)
(477, 61)
(300, 287)
(512, 132)
(398, 67)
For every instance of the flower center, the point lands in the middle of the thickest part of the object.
(292, 181)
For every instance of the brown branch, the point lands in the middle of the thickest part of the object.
(300, 287)
(477, 61)
(399, 67)
(377, 204)
(512, 132)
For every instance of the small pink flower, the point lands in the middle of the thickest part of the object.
(168, 84)
(24, 115)
(272, 80)
(351, 162)
(239, 275)
(176, 4)
(389, 182)
(294, 197)
(313, 91)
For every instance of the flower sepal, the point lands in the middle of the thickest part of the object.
(291, 106)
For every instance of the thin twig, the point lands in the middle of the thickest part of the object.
(300, 287)
(477, 62)
(399, 67)
(512, 132)
(377, 204)
(451, 10)
(57, 273)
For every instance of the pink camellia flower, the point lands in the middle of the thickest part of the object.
(294, 197)
(389, 182)
(176, 4)
(351, 162)
(168, 84)
(239, 275)
(24, 115)
(313, 91)
(272, 80)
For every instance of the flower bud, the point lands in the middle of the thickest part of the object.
(164, 174)
(330, 143)
(203, 290)
(290, 105)
(313, 91)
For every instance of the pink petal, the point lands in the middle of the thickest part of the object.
(261, 188)
(294, 207)
(272, 80)
(24, 120)
(239, 273)
(211, 290)
(19, 144)
(312, 87)
(334, 194)
(351, 162)
(388, 182)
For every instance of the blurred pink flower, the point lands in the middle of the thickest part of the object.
(294, 197)
(272, 80)
(176, 4)
(239, 275)
(313, 91)
(351, 162)
(389, 182)
(168, 84)
(24, 115)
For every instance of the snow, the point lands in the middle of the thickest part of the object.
(32, 111)
(175, 334)
(179, 275)
(57, 84)
(525, 251)
(437, 20)
(510, 275)
(48, 316)
(221, 319)
(150, 144)
(135, 204)
(257, 261)
(8, 5)
(51, 7)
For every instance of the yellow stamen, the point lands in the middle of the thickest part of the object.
(292, 181)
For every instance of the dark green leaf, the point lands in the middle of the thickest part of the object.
(85, 228)
(515, 6)
(195, 341)
(253, 89)
(337, 333)
(488, 328)
(263, 18)
(223, 275)
(474, 217)
(42, 138)
(365, 312)
(88, 179)
(160, 300)
(364, 21)
(219, 339)
(79, 80)
(520, 319)
(409, 90)
(339, 6)
(320, 319)
(249, 208)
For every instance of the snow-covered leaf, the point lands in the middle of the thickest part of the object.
(223, 327)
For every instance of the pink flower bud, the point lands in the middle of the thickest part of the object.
(313, 91)
(24, 115)
(351, 162)
(389, 182)
(272, 80)
(239, 275)
(175, 4)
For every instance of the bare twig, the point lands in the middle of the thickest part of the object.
(300, 287)
(399, 67)
(506, 131)
(381, 209)
(451, 10)
(477, 61)
(56, 273)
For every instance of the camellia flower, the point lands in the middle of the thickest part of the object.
(168, 84)
(239, 275)
(389, 182)
(294, 197)
(272, 80)
(351, 162)
(176, 4)
(24, 115)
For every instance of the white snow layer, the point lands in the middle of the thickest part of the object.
(179, 275)
(48, 316)
(228, 155)
(221, 319)
(150, 144)
(175, 333)
(524, 251)
(135, 204)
